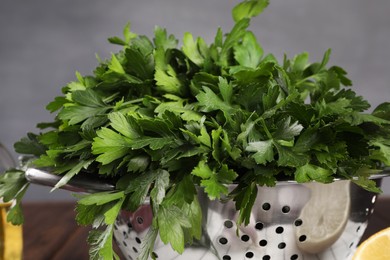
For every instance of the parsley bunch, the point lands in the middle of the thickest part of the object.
(159, 121)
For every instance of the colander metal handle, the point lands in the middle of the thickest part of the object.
(78, 183)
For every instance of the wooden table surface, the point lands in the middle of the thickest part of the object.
(50, 231)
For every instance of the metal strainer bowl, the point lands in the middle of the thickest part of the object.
(288, 221)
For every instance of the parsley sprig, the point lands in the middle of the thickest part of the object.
(159, 121)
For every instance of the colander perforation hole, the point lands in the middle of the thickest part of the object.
(135, 250)
(140, 220)
(358, 228)
(298, 222)
(226, 257)
(266, 257)
(286, 209)
(259, 226)
(263, 242)
(282, 245)
(138, 240)
(249, 254)
(245, 238)
(155, 255)
(228, 224)
(302, 238)
(279, 230)
(223, 240)
(124, 243)
(266, 206)
(351, 245)
(294, 257)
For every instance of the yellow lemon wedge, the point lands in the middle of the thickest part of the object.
(323, 218)
(376, 247)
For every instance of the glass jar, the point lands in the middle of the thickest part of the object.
(11, 237)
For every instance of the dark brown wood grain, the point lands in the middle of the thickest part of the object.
(51, 233)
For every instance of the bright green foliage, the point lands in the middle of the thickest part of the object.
(161, 122)
(13, 185)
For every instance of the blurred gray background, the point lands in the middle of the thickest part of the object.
(43, 43)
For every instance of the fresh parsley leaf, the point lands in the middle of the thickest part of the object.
(264, 151)
(172, 222)
(13, 185)
(248, 53)
(248, 9)
(101, 244)
(109, 145)
(309, 172)
(167, 122)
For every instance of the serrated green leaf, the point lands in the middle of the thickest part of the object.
(191, 48)
(11, 183)
(56, 104)
(231, 148)
(307, 140)
(139, 64)
(127, 34)
(382, 153)
(165, 75)
(263, 151)
(216, 143)
(109, 145)
(13, 186)
(249, 9)
(127, 126)
(160, 186)
(75, 114)
(87, 98)
(245, 196)
(287, 130)
(194, 213)
(154, 143)
(210, 101)
(89, 214)
(147, 245)
(248, 53)
(288, 157)
(367, 184)
(204, 137)
(226, 90)
(162, 40)
(138, 163)
(202, 170)
(138, 187)
(30, 145)
(101, 244)
(226, 175)
(112, 213)
(231, 40)
(115, 65)
(299, 62)
(214, 188)
(171, 221)
(309, 172)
